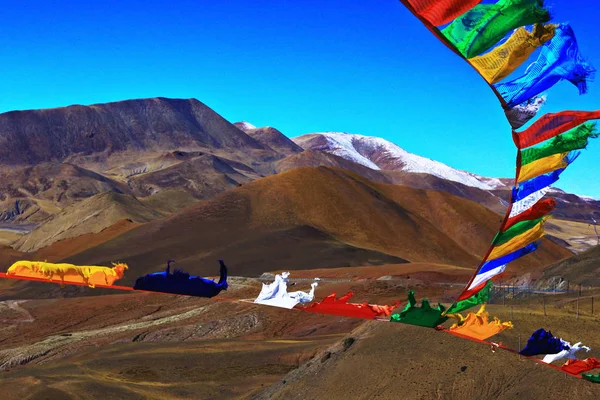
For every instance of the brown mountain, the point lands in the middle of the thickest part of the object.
(495, 201)
(35, 136)
(380, 154)
(575, 208)
(271, 137)
(144, 147)
(383, 161)
(50, 159)
(313, 218)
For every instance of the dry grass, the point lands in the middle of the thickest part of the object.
(7, 237)
(579, 235)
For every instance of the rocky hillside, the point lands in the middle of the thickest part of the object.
(36, 136)
(314, 218)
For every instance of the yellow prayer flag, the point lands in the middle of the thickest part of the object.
(542, 166)
(506, 58)
(518, 242)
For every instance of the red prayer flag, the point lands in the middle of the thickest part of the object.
(551, 125)
(332, 306)
(576, 367)
(538, 210)
(440, 12)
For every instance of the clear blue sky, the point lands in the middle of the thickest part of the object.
(360, 66)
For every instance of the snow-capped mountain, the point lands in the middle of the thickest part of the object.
(380, 154)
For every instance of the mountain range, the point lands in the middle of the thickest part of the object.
(176, 173)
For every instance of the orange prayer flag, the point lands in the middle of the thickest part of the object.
(477, 325)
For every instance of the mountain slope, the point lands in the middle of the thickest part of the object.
(581, 269)
(89, 216)
(203, 176)
(401, 167)
(32, 194)
(255, 226)
(312, 158)
(271, 137)
(53, 158)
(388, 361)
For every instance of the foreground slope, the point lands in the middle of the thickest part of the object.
(159, 346)
(153, 346)
(392, 361)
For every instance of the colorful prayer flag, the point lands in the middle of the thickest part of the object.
(575, 139)
(518, 242)
(506, 58)
(68, 273)
(551, 125)
(484, 25)
(543, 342)
(440, 12)
(332, 306)
(425, 315)
(576, 367)
(558, 60)
(478, 326)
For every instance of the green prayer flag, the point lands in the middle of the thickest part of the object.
(478, 298)
(591, 378)
(422, 316)
(480, 28)
(515, 230)
(575, 139)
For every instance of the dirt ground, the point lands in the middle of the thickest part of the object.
(160, 346)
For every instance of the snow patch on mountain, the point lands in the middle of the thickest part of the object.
(587, 199)
(342, 145)
(381, 154)
(243, 125)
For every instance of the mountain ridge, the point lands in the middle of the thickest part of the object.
(200, 156)
(34, 136)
